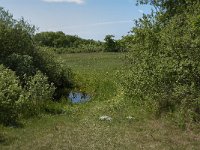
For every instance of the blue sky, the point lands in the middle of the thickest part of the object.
(90, 19)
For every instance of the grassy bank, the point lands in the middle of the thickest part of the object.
(80, 127)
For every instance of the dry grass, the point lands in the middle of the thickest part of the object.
(86, 134)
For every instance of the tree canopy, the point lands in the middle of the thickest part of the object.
(164, 63)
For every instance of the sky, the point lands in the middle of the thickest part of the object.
(90, 19)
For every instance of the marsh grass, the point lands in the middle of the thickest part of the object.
(80, 128)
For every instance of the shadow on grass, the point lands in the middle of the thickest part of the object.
(2, 138)
(15, 124)
(6, 140)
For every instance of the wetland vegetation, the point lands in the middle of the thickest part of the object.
(140, 92)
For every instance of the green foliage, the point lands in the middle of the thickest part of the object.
(16, 101)
(124, 44)
(36, 75)
(164, 62)
(39, 88)
(54, 69)
(15, 36)
(110, 44)
(19, 53)
(82, 48)
(37, 93)
(52, 39)
(10, 91)
(62, 43)
(21, 64)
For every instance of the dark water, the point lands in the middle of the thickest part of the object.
(78, 97)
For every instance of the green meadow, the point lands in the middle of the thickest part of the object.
(80, 127)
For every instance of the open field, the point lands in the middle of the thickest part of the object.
(80, 128)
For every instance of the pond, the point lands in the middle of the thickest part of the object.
(78, 97)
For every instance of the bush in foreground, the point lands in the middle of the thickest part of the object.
(58, 74)
(20, 54)
(164, 63)
(10, 91)
(37, 93)
(16, 101)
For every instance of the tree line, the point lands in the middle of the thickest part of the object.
(62, 43)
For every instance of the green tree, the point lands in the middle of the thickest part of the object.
(52, 39)
(110, 43)
(19, 52)
(164, 61)
(15, 36)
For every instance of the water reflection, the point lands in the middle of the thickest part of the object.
(78, 97)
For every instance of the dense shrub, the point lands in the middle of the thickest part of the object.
(34, 76)
(21, 64)
(164, 64)
(37, 93)
(16, 101)
(58, 74)
(19, 53)
(10, 91)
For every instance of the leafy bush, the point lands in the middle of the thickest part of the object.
(15, 35)
(164, 64)
(16, 102)
(37, 93)
(29, 95)
(19, 53)
(21, 64)
(10, 91)
(58, 74)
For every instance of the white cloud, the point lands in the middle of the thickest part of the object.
(67, 1)
(141, 11)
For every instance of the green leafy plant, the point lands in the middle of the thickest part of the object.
(163, 71)
(37, 93)
(53, 68)
(10, 91)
